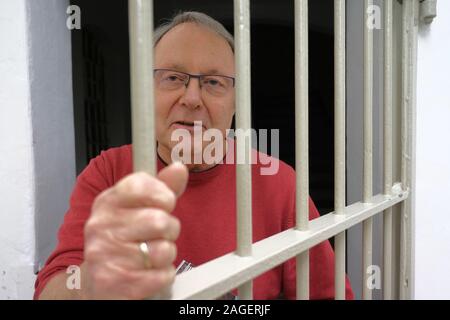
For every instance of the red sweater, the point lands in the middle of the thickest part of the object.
(207, 212)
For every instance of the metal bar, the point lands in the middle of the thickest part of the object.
(216, 277)
(404, 130)
(367, 257)
(406, 8)
(387, 158)
(410, 18)
(368, 145)
(243, 121)
(339, 142)
(142, 98)
(368, 105)
(301, 140)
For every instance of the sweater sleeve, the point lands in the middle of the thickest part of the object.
(321, 264)
(69, 250)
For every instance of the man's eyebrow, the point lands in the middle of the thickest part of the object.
(175, 67)
(212, 71)
(182, 69)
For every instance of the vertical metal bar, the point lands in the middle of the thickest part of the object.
(140, 20)
(142, 98)
(405, 92)
(301, 140)
(243, 121)
(339, 143)
(410, 18)
(404, 133)
(368, 105)
(388, 98)
(368, 145)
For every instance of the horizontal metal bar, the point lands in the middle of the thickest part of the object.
(216, 277)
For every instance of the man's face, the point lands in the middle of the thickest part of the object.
(196, 50)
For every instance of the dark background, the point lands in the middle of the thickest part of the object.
(102, 86)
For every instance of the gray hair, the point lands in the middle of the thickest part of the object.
(194, 17)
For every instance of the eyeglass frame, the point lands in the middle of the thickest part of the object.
(197, 76)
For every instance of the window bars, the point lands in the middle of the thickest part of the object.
(236, 270)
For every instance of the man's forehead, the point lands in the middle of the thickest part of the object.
(189, 46)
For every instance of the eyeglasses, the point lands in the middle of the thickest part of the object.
(216, 85)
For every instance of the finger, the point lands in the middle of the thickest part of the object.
(175, 177)
(142, 190)
(154, 281)
(147, 224)
(162, 254)
(147, 283)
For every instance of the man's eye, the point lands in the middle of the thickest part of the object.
(213, 82)
(173, 78)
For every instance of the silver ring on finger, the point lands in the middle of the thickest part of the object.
(144, 248)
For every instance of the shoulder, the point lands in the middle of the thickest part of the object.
(110, 165)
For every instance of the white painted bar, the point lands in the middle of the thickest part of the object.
(368, 146)
(215, 278)
(142, 97)
(339, 142)
(409, 68)
(387, 155)
(301, 140)
(243, 121)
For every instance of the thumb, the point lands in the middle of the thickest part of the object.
(175, 176)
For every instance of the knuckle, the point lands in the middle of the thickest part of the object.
(163, 250)
(163, 254)
(163, 278)
(90, 227)
(168, 251)
(174, 252)
(133, 184)
(170, 275)
(93, 226)
(160, 221)
(125, 276)
(177, 227)
(92, 252)
(136, 185)
(166, 247)
(167, 198)
(99, 200)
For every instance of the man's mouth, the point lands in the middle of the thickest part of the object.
(188, 124)
(185, 123)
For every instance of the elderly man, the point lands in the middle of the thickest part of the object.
(123, 229)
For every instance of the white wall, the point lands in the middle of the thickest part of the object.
(37, 168)
(432, 225)
(52, 116)
(16, 165)
(354, 135)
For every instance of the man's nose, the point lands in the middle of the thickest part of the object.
(192, 96)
